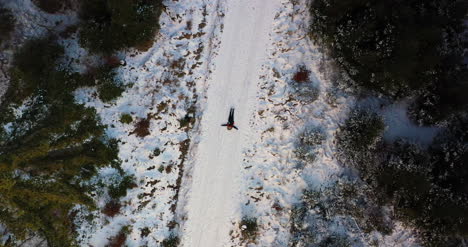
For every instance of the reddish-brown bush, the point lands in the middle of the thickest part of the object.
(118, 240)
(112, 208)
(142, 127)
(301, 75)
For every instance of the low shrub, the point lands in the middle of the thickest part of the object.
(359, 138)
(142, 127)
(107, 86)
(249, 228)
(426, 188)
(318, 208)
(161, 168)
(156, 152)
(126, 118)
(301, 75)
(335, 240)
(308, 141)
(112, 208)
(112, 25)
(305, 92)
(52, 6)
(119, 239)
(7, 23)
(171, 241)
(145, 232)
(109, 91)
(35, 68)
(128, 182)
(189, 118)
(399, 49)
(301, 232)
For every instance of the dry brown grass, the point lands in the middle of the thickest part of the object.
(112, 208)
(142, 127)
(302, 75)
(118, 240)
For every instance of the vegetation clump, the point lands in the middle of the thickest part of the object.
(126, 118)
(359, 138)
(403, 49)
(301, 75)
(308, 141)
(426, 188)
(120, 190)
(399, 48)
(142, 127)
(119, 239)
(111, 25)
(112, 208)
(7, 23)
(303, 89)
(107, 86)
(171, 241)
(321, 207)
(249, 229)
(48, 145)
(52, 6)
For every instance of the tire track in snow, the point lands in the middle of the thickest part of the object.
(214, 201)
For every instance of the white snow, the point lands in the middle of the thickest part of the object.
(214, 198)
(228, 174)
(163, 84)
(400, 126)
(273, 180)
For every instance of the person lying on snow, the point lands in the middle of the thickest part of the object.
(230, 123)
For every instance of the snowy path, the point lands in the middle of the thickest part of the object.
(214, 198)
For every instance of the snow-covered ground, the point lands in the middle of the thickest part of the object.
(214, 193)
(163, 86)
(199, 182)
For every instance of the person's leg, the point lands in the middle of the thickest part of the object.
(231, 116)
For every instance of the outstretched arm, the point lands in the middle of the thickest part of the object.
(224, 124)
(235, 127)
